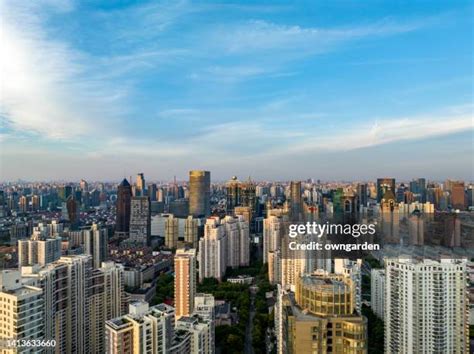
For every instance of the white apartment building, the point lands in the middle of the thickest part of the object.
(377, 292)
(426, 308)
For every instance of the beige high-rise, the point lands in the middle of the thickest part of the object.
(199, 193)
(184, 281)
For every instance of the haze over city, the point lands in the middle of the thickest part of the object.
(335, 90)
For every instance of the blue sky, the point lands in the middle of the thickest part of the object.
(324, 89)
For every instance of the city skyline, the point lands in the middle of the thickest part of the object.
(333, 90)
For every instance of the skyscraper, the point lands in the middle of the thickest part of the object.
(362, 194)
(426, 306)
(212, 250)
(115, 299)
(458, 195)
(124, 196)
(184, 281)
(296, 200)
(233, 194)
(140, 187)
(199, 193)
(140, 221)
(96, 244)
(383, 184)
(377, 292)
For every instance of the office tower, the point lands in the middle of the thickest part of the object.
(212, 250)
(151, 192)
(377, 292)
(64, 192)
(72, 210)
(470, 196)
(458, 195)
(115, 298)
(84, 185)
(143, 330)
(140, 190)
(389, 218)
(171, 232)
(38, 250)
(248, 197)
(418, 188)
(96, 244)
(383, 184)
(179, 208)
(296, 200)
(202, 333)
(22, 311)
(124, 197)
(362, 194)
(199, 193)
(191, 232)
(401, 193)
(233, 194)
(351, 269)
(238, 241)
(35, 203)
(23, 204)
(426, 306)
(184, 281)
(140, 221)
(324, 326)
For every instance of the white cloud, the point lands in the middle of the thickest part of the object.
(264, 36)
(46, 85)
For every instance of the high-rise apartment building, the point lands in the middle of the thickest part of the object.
(377, 292)
(143, 330)
(199, 193)
(191, 232)
(212, 250)
(38, 250)
(21, 312)
(319, 317)
(140, 221)
(115, 298)
(171, 232)
(184, 281)
(426, 306)
(96, 244)
(273, 231)
(353, 270)
(124, 197)
(202, 333)
(238, 241)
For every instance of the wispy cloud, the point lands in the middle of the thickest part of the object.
(258, 35)
(46, 87)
